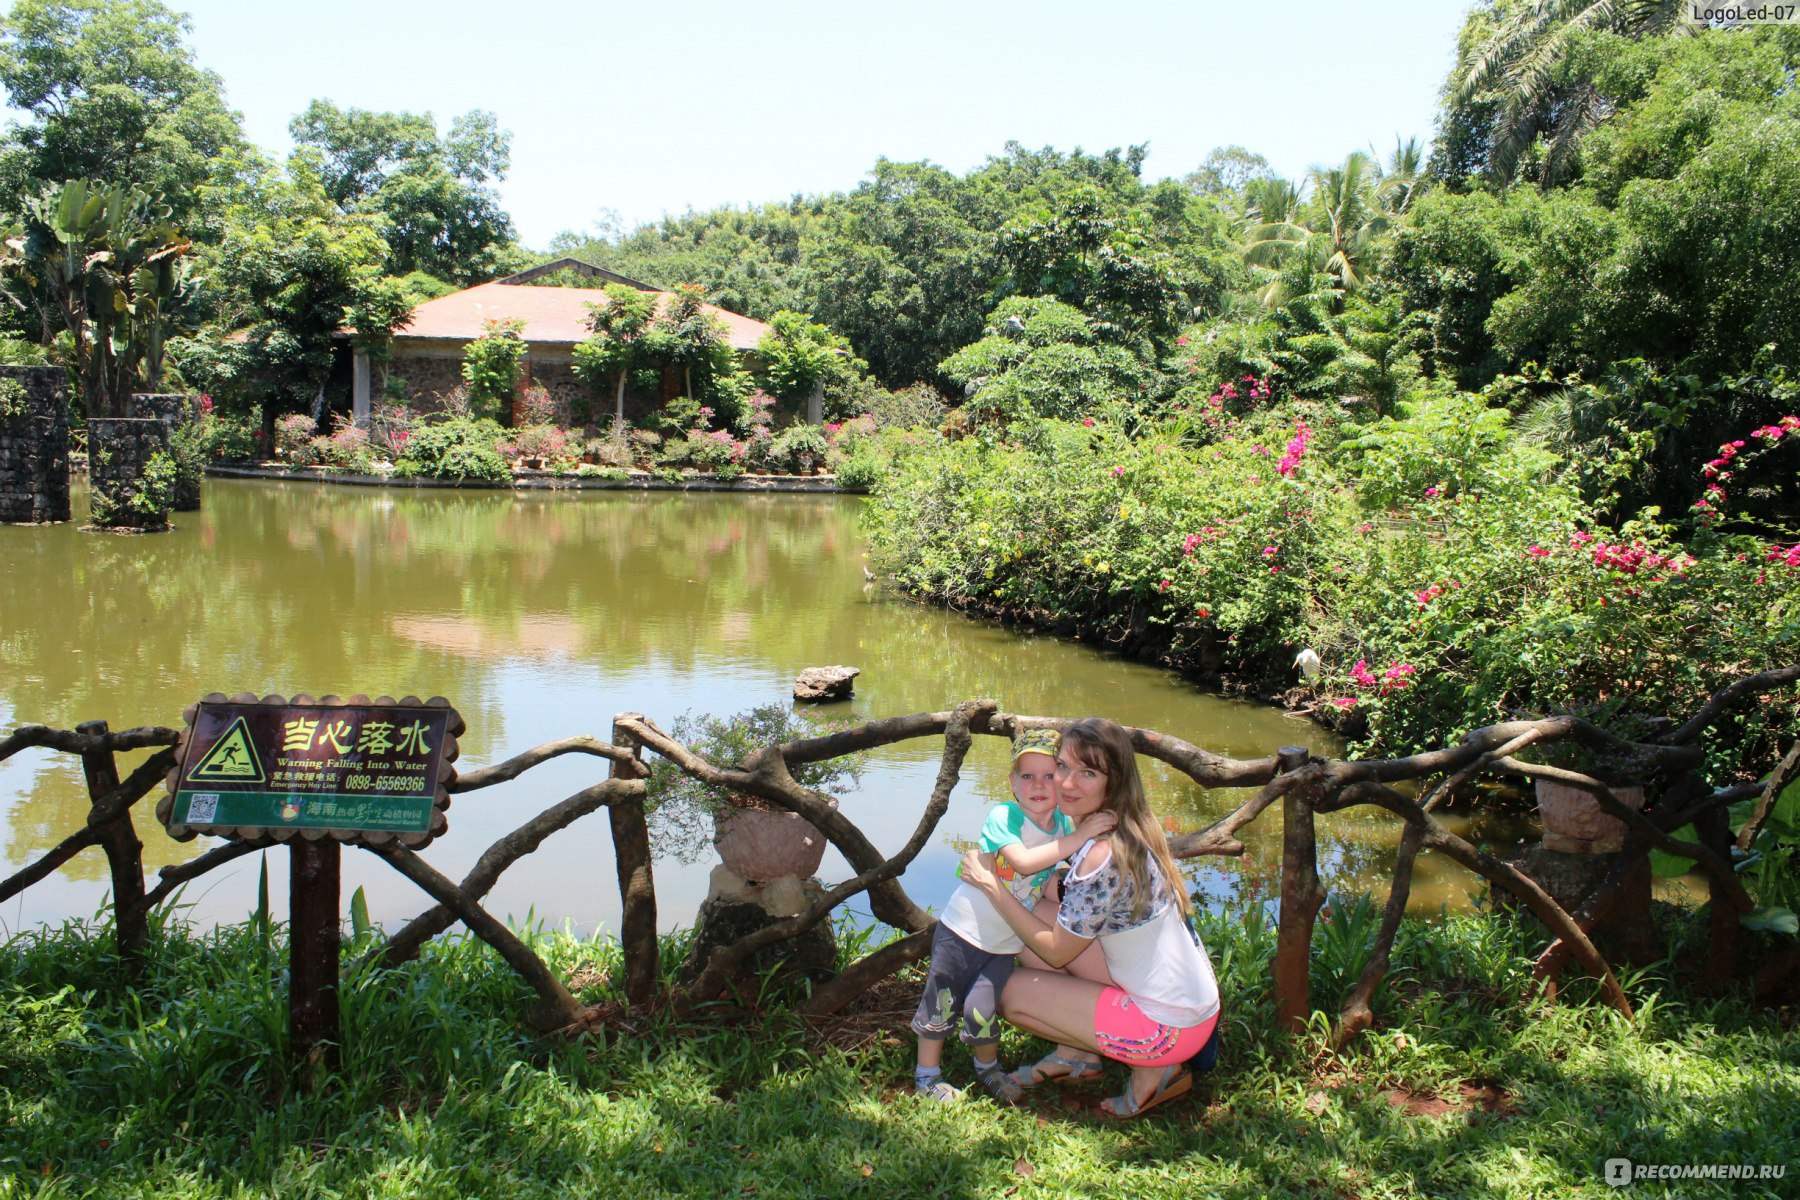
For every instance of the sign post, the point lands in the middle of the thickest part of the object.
(316, 774)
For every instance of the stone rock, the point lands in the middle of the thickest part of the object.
(734, 911)
(763, 845)
(1574, 822)
(826, 683)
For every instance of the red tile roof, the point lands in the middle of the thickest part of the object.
(554, 316)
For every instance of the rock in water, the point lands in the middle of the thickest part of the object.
(826, 683)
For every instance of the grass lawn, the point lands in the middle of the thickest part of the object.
(1464, 1089)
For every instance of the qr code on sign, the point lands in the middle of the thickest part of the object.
(202, 807)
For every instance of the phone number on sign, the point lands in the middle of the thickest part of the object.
(384, 783)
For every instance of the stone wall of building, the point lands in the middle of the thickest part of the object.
(430, 377)
(34, 444)
(119, 449)
(176, 410)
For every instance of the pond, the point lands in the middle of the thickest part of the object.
(540, 615)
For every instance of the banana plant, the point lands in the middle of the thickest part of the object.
(104, 263)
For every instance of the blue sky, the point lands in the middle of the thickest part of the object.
(644, 109)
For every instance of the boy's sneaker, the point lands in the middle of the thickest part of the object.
(1000, 1085)
(940, 1091)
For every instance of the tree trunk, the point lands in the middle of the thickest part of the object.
(619, 399)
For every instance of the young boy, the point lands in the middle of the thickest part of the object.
(972, 951)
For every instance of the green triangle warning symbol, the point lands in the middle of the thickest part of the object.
(231, 760)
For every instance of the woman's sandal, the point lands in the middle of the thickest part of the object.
(1032, 1074)
(1175, 1081)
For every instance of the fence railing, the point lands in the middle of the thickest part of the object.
(1303, 784)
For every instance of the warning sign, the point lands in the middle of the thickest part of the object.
(272, 768)
(232, 759)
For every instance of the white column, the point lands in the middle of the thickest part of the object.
(359, 387)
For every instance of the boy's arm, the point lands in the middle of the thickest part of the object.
(1032, 859)
(1052, 943)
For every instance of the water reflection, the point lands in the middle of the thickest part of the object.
(540, 616)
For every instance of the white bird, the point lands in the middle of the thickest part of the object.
(1308, 662)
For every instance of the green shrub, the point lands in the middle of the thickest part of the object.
(233, 438)
(798, 447)
(460, 448)
(682, 808)
(491, 367)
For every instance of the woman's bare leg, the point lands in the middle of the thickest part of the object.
(1055, 1006)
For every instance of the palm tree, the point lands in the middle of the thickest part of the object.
(1333, 235)
(1404, 180)
(1517, 66)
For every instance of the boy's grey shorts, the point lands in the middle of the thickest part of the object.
(963, 979)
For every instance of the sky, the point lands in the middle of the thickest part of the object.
(640, 110)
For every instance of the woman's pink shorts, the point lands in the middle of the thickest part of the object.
(1124, 1032)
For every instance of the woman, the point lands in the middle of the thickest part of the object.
(1160, 1001)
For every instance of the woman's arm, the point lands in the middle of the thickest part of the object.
(1032, 859)
(1052, 943)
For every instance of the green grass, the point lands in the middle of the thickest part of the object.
(180, 1088)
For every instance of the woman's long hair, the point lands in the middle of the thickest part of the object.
(1137, 839)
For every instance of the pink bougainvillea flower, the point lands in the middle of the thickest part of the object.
(1537, 551)
(1117, 471)
(1360, 674)
(1088, 421)
(1202, 612)
(1344, 701)
(1431, 493)
(1365, 527)
(1271, 551)
(1428, 595)
(1182, 340)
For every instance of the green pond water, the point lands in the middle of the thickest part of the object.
(540, 615)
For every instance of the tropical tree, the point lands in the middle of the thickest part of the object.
(801, 357)
(1091, 254)
(103, 262)
(615, 347)
(109, 91)
(1044, 358)
(686, 335)
(434, 194)
(1519, 84)
(1225, 171)
(286, 272)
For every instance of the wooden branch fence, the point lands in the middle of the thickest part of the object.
(1305, 786)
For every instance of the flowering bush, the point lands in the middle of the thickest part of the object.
(1498, 594)
(545, 443)
(293, 438)
(347, 447)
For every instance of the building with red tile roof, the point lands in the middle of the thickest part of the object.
(428, 350)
